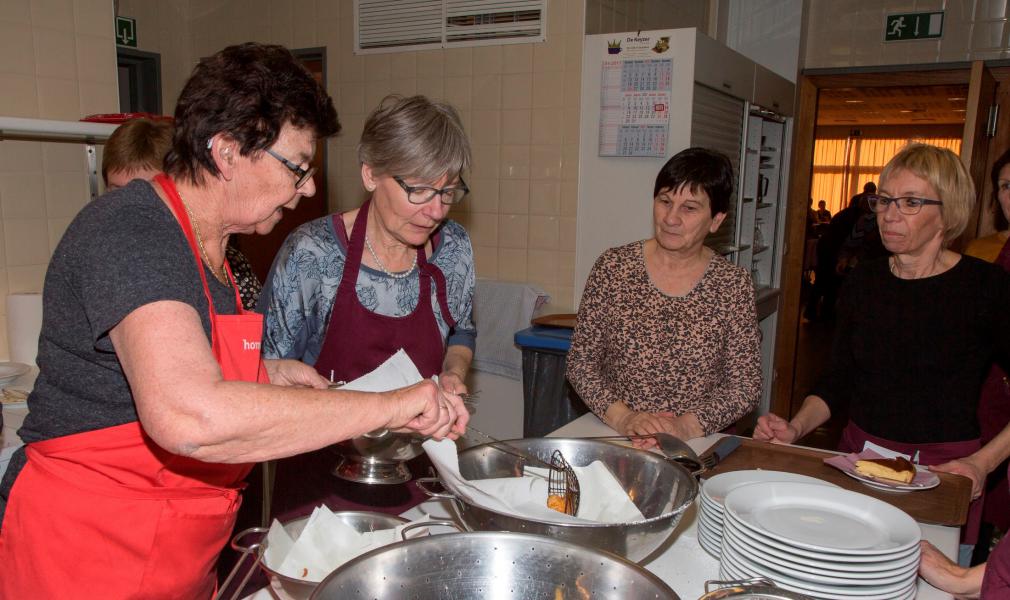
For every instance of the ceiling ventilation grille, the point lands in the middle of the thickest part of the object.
(390, 26)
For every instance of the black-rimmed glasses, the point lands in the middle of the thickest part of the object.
(907, 205)
(302, 175)
(422, 194)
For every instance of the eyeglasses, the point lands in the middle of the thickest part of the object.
(422, 194)
(303, 175)
(907, 205)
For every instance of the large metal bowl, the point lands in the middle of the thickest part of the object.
(361, 521)
(661, 489)
(496, 565)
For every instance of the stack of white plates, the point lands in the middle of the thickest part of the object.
(713, 494)
(821, 541)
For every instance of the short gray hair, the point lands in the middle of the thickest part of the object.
(415, 137)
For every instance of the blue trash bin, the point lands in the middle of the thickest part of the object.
(549, 402)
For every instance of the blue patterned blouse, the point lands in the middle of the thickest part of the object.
(299, 293)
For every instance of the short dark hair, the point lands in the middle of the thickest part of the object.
(1000, 219)
(699, 168)
(249, 92)
(869, 188)
(136, 145)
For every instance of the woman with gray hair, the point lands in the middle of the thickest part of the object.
(348, 290)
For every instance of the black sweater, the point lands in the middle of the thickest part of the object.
(910, 356)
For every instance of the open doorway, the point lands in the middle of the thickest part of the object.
(858, 129)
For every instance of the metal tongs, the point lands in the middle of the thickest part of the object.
(562, 481)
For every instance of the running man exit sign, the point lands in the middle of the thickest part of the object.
(913, 26)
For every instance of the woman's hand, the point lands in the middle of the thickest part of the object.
(428, 410)
(946, 575)
(451, 382)
(966, 467)
(775, 429)
(644, 423)
(284, 371)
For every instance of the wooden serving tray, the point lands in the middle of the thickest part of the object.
(566, 320)
(946, 504)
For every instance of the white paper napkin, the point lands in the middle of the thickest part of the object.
(324, 544)
(888, 453)
(602, 498)
(396, 372)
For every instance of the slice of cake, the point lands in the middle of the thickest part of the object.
(892, 469)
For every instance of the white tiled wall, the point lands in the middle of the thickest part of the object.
(57, 61)
(848, 33)
(519, 104)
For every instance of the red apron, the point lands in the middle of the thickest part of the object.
(109, 514)
(996, 581)
(929, 454)
(993, 416)
(357, 341)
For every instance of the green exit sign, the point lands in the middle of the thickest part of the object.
(913, 26)
(126, 31)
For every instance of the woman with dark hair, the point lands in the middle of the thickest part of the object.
(667, 338)
(147, 414)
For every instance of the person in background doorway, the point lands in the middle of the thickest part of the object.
(136, 150)
(917, 331)
(667, 337)
(823, 214)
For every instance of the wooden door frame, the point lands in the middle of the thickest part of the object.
(800, 174)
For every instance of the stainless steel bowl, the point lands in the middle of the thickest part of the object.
(485, 565)
(361, 521)
(661, 489)
(377, 457)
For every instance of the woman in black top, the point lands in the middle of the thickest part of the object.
(917, 330)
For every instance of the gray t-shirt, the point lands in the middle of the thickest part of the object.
(123, 250)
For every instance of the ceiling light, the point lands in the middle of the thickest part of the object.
(853, 101)
(957, 99)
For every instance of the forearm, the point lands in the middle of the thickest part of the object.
(237, 421)
(457, 361)
(812, 414)
(994, 453)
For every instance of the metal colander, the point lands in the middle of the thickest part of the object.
(490, 566)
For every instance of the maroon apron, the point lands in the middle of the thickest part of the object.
(993, 416)
(929, 454)
(357, 341)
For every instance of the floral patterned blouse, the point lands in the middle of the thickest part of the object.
(299, 293)
(698, 353)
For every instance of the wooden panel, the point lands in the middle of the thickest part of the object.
(792, 256)
(946, 504)
(975, 144)
(886, 79)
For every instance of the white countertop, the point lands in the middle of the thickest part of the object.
(680, 562)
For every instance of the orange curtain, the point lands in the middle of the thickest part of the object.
(842, 166)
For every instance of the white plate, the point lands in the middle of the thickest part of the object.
(833, 591)
(806, 573)
(853, 569)
(716, 488)
(706, 543)
(823, 519)
(825, 557)
(898, 488)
